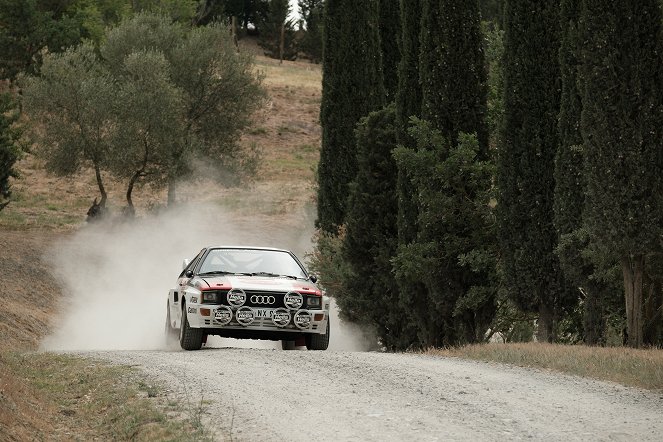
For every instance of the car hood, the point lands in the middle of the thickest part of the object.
(261, 283)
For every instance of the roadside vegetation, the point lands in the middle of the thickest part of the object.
(59, 397)
(510, 194)
(630, 367)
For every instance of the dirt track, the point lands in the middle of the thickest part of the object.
(260, 394)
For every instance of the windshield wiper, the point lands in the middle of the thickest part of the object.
(223, 272)
(264, 274)
(215, 272)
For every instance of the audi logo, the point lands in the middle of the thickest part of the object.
(260, 299)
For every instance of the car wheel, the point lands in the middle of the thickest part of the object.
(170, 332)
(288, 345)
(315, 341)
(190, 338)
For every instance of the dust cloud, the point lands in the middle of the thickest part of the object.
(116, 276)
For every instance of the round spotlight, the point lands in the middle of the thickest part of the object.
(281, 317)
(236, 297)
(293, 300)
(245, 315)
(223, 315)
(303, 319)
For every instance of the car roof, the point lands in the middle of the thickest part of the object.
(249, 248)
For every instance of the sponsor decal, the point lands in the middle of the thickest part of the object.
(245, 315)
(293, 300)
(223, 315)
(281, 317)
(191, 309)
(263, 299)
(303, 319)
(194, 299)
(236, 297)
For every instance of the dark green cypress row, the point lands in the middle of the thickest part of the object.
(452, 69)
(622, 128)
(390, 30)
(351, 88)
(526, 158)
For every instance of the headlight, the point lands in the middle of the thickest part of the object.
(209, 296)
(313, 301)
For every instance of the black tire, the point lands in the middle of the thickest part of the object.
(190, 338)
(170, 332)
(288, 345)
(315, 341)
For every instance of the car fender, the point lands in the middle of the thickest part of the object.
(174, 307)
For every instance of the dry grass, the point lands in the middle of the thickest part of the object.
(635, 368)
(57, 397)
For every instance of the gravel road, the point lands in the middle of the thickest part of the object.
(266, 394)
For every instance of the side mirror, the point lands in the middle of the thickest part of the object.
(313, 278)
(189, 273)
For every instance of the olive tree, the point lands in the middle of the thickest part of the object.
(72, 107)
(158, 99)
(218, 93)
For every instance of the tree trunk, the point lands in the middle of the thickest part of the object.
(633, 270)
(593, 318)
(653, 321)
(100, 183)
(544, 331)
(130, 210)
(171, 194)
(282, 43)
(234, 32)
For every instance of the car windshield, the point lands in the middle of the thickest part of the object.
(251, 261)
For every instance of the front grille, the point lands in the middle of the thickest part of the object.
(278, 299)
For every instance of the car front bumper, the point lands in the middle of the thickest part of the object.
(247, 318)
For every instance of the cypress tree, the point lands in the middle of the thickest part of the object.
(452, 69)
(526, 159)
(311, 43)
(371, 234)
(351, 88)
(390, 30)
(575, 262)
(621, 126)
(453, 84)
(569, 180)
(455, 251)
(408, 103)
(277, 32)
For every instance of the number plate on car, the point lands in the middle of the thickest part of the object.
(264, 313)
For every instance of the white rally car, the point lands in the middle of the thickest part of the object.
(247, 293)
